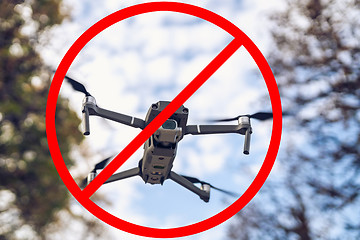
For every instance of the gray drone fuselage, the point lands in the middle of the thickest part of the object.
(160, 148)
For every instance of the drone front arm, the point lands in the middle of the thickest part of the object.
(117, 117)
(243, 128)
(91, 109)
(213, 129)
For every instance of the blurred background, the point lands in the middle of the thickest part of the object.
(313, 48)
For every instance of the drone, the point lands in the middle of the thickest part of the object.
(160, 149)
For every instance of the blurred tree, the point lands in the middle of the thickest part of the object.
(31, 193)
(314, 193)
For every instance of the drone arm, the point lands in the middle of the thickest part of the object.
(204, 195)
(243, 128)
(123, 175)
(117, 117)
(91, 109)
(213, 129)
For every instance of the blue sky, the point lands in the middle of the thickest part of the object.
(152, 57)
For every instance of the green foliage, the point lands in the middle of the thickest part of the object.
(27, 173)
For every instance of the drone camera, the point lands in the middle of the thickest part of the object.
(169, 132)
(169, 124)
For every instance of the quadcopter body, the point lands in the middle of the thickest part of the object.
(160, 148)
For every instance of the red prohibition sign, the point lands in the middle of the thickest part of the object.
(240, 39)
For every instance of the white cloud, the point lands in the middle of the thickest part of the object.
(160, 70)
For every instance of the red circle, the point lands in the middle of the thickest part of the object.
(269, 158)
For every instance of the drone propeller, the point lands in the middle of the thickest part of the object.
(77, 86)
(100, 165)
(196, 180)
(259, 116)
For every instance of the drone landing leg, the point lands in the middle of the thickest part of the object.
(125, 174)
(205, 196)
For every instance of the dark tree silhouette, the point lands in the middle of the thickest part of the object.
(314, 194)
(31, 192)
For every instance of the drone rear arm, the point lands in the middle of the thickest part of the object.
(204, 195)
(91, 109)
(123, 175)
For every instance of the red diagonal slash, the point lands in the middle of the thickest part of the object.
(175, 104)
